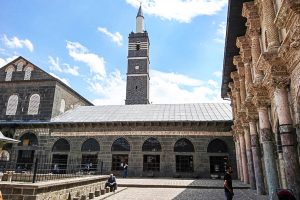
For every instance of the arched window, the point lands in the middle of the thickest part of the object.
(120, 144)
(151, 144)
(61, 145)
(9, 72)
(90, 145)
(183, 145)
(34, 104)
(28, 71)
(217, 146)
(4, 155)
(20, 66)
(28, 139)
(12, 105)
(62, 106)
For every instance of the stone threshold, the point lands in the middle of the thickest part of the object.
(179, 186)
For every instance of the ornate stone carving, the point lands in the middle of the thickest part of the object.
(294, 5)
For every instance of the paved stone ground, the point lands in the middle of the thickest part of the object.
(177, 189)
(182, 194)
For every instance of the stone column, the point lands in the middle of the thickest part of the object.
(249, 158)
(240, 159)
(268, 18)
(268, 149)
(244, 158)
(237, 150)
(255, 53)
(242, 89)
(288, 140)
(260, 186)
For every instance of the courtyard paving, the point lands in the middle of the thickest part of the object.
(178, 189)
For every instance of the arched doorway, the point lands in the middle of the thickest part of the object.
(218, 157)
(151, 158)
(89, 150)
(60, 152)
(27, 148)
(184, 150)
(120, 149)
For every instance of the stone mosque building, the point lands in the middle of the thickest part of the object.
(53, 121)
(261, 76)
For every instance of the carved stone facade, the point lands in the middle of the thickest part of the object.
(268, 69)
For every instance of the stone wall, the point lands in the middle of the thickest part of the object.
(53, 190)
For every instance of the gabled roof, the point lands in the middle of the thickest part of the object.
(198, 112)
(47, 77)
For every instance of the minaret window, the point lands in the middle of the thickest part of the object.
(27, 73)
(34, 104)
(137, 67)
(138, 46)
(9, 72)
(12, 105)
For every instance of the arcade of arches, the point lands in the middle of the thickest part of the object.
(154, 156)
(262, 79)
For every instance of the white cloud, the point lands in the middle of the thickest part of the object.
(65, 81)
(221, 33)
(66, 68)
(80, 53)
(180, 10)
(15, 43)
(4, 61)
(218, 74)
(165, 88)
(115, 37)
(111, 89)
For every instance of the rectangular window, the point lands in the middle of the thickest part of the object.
(117, 160)
(184, 163)
(89, 162)
(218, 164)
(151, 163)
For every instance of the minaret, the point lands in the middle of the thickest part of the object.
(137, 87)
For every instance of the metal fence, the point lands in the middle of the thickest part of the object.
(45, 169)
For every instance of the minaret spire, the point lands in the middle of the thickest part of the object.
(140, 20)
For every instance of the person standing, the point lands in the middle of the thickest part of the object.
(125, 172)
(228, 183)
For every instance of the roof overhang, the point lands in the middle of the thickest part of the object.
(235, 27)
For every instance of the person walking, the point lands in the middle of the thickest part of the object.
(125, 170)
(228, 183)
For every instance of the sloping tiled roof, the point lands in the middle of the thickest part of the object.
(151, 112)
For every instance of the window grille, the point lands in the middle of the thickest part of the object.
(183, 145)
(34, 104)
(28, 139)
(28, 73)
(151, 163)
(184, 163)
(117, 161)
(120, 144)
(9, 72)
(20, 66)
(61, 145)
(90, 145)
(12, 105)
(151, 144)
(217, 146)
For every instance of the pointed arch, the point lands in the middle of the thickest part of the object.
(12, 105)
(9, 71)
(151, 144)
(34, 104)
(217, 146)
(184, 145)
(90, 145)
(120, 144)
(28, 70)
(61, 145)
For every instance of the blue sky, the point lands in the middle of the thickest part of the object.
(84, 43)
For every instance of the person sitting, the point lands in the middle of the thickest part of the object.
(111, 182)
